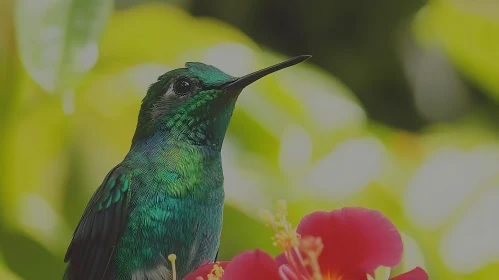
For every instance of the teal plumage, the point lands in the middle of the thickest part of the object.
(166, 196)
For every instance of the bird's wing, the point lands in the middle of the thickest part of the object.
(100, 228)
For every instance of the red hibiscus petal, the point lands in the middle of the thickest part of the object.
(415, 274)
(251, 265)
(356, 241)
(203, 270)
(281, 259)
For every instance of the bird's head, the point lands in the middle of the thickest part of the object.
(194, 104)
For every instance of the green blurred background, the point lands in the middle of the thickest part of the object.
(396, 111)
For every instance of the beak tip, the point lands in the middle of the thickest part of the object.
(299, 59)
(250, 78)
(304, 56)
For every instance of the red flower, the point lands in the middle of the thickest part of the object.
(415, 274)
(204, 270)
(355, 241)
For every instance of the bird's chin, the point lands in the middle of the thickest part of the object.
(227, 98)
(234, 93)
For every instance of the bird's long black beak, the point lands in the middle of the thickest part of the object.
(250, 78)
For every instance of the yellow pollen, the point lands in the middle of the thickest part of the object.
(172, 258)
(302, 254)
(285, 237)
(216, 272)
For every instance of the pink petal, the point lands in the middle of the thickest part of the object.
(356, 241)
(281, 259)
(251, 265)
(203, 270)
(415, 274)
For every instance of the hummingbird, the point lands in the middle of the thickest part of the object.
(166, 196)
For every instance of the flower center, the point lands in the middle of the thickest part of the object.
(302, 253)
(215, 274)
(332, 277)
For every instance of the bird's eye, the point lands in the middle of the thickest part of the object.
(182, 86)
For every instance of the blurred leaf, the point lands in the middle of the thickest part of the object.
(5, 36)
(469, 32)
(58, 39)
(157, 33)
(240, 233)
(38, 174)
(7, 56)
(6, 273)
(124, 4)
(29, 259)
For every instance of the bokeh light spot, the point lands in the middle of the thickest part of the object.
(348, 169)
(445, 180)
(472, 242)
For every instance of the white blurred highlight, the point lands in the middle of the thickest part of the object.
(328, 108)
(36, 213)
(241, 189)
(473, 242)
(445, 180)
(348, 169)
(330, 111)
(295, 150)
(143, 75)
(68, 102)
(38, 219)
(439, 94)
(85, 57)
(232, 58)
(269, 115)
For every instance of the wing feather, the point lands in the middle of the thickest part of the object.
(99, 229)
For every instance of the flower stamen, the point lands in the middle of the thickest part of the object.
(172, 258)
(292, 244)
(312, 247)
(216, 273)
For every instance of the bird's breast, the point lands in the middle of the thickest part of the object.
(166, 225)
